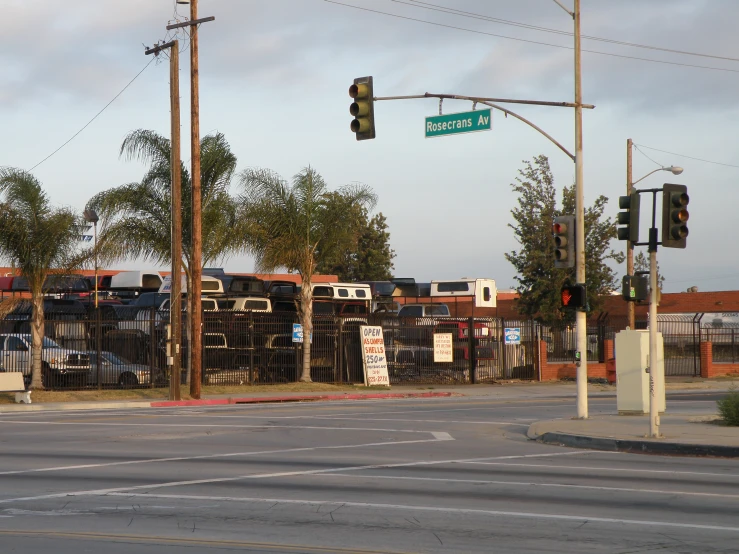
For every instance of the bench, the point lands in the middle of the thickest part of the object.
(13, 382)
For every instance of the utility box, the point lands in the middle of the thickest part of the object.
(632, 379)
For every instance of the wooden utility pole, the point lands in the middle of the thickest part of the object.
(175, 295)
(196, 270)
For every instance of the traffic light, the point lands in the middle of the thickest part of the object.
(363, 108)
(635, 288)
(563, 229)
(675, 215)
(629, 218)
(574, 296)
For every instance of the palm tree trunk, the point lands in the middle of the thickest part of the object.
(306, 319)
(37, 335)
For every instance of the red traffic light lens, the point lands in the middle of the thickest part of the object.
(559, 228)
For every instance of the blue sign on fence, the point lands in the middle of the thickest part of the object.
(512, 335)
(298, 333)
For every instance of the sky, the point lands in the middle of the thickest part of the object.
(274, 78)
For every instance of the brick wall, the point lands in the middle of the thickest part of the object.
(559, 370)
(710, 369)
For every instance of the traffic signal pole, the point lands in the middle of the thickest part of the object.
(581, 322)
(581, 317)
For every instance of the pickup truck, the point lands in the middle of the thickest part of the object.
(57, 364)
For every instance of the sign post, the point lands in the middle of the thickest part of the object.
(458, 123)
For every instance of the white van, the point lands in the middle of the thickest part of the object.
(482, 290)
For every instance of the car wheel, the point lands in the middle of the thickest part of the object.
(128, 380)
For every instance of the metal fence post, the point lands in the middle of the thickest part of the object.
(152, 347)
(472, 349)
(99, 346)
(251, 348)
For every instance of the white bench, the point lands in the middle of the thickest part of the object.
(13, 382)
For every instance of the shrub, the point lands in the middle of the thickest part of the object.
(728, 407)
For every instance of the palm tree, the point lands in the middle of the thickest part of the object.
(136, 218)
(293, 224)
(39, 240)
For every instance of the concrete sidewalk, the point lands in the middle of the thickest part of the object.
(683, 435)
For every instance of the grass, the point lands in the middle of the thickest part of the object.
(162, 393)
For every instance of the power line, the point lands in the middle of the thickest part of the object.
(471, 15)
(95, 117)
(682, 156)
(529, 41)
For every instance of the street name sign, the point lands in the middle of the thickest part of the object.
(458, 123)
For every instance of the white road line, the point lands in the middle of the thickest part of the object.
(343, 418)
(469, 511)
(228, 455)
(608, 469)
(440, 435)
(207, 425)
(533, 484)
(99, 492)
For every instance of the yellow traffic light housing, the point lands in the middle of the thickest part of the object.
(362, 108)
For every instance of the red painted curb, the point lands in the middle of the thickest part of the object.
(321, 397)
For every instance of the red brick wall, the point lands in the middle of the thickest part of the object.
(709, 369)
(559, 370)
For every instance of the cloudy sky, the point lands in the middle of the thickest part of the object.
(274, 80)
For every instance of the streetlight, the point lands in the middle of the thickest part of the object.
(91, 216)
(629, 246)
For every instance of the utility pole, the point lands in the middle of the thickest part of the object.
(629, 245)
(581, 321)
(175, 296)
(196, 270)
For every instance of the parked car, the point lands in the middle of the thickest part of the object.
(115, 370)
(58, 365)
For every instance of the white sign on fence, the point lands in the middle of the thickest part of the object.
(443, 351)
(374, 359)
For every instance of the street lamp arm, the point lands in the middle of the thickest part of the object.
(647, 175)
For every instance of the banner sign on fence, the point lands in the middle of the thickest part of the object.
(512, 335)
(298, 333)
(443, 347)
(374, 360)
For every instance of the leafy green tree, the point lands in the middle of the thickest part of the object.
(136, 218)
(539, 282)
(367, 256)
(294, 225)
(39, 240)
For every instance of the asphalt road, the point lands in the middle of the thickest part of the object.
(437, 475)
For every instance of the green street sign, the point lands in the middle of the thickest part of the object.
(458, 123)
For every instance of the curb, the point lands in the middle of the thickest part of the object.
(98, 405)
(305, 398)
(637, 446)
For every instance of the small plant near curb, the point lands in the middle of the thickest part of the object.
(728, 407)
